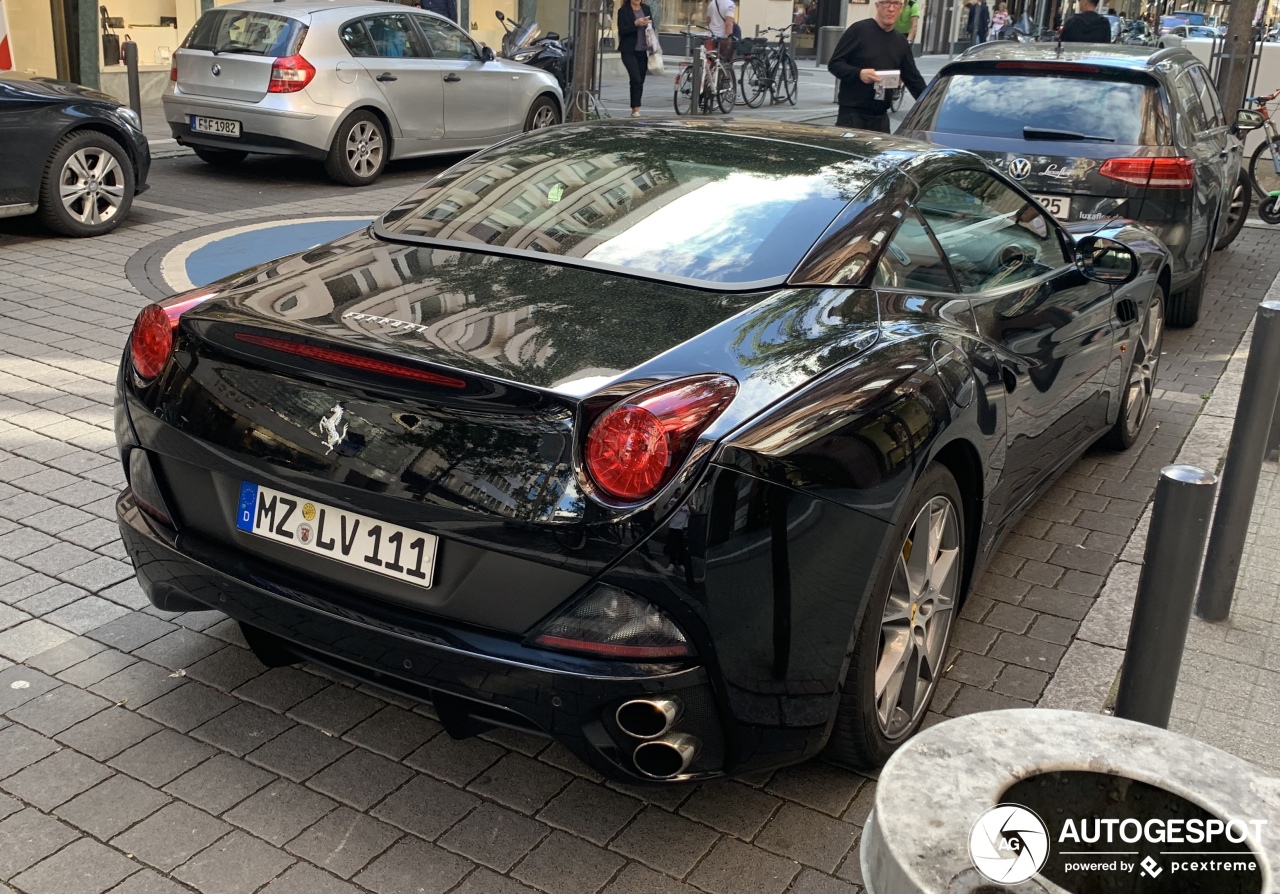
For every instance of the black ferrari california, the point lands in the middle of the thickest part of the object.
(678, 443)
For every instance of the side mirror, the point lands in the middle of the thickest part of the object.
(501, 17)
(1248, 119)
(486, 54)
(1106, 260)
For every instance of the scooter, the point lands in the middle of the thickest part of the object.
(521, 43)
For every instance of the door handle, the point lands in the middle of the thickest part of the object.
(451, 79)
(386, 76)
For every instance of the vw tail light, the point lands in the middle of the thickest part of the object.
(612, 623)
(290, 74)
(1157, 173)
(635, 446)
(151, 341)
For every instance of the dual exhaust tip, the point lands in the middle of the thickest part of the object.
(662, 754)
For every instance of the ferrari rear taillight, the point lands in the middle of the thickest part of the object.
(151, 341)
(636, 445)
(1157, 173)
(290, 74)
(612, 623)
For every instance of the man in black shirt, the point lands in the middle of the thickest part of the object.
(1087, 26)
(866, 47)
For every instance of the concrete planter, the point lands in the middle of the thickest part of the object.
(1068, 768)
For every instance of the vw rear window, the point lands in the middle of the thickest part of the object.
(246, 33)
(710, 208)
(1002, 104)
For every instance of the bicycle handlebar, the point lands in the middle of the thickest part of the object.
(1263, 100)
(782, 30)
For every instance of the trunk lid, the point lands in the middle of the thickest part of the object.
(230, 53)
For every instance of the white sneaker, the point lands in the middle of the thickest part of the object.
(635, 114)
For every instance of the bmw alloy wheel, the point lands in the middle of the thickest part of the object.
(545, 116)
(917, 617)
(364, 149)
(92, 186)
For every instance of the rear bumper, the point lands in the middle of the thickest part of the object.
(265, 130)
(473, 677)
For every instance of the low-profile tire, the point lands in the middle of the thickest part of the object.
(543, 113)
(220, 158)
(906, 629)
(359, 150)
(1135, 400)
(88, 185)
(1238, 203)
(1184, 307)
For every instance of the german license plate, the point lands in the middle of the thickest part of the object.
(343, 536)
(223, 127)
(1057, 206)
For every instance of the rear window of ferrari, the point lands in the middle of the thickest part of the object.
(713, 208)
(247, 33)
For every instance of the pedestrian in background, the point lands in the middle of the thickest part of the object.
(721, 15)
(866, 47)
(979, 21)
(446, 8)
(634, 18)
(1086, 26)
(908, 20)
(999, 19)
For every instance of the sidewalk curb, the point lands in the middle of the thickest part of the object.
(1088, 670)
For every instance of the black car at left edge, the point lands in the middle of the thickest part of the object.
(678, 443)
(72, 155)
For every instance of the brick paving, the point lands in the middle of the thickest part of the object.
(143, 752)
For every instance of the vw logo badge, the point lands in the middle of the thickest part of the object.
(217, 70)
(1019, 168)
(1008, 844)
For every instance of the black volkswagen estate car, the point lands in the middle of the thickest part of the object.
(1098, 132)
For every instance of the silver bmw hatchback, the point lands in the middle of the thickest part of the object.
(351, 84)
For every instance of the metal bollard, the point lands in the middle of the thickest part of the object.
(696, 69)
(1166, 588)
(131, 67)
(1243, 466)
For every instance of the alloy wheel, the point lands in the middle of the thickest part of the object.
(545, 116)
(917, 617)
(1146, 362)
(364, 149)
(92, 186)
(1238, 203)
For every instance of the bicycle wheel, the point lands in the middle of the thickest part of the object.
(726, 89)
(753, 83)
(1262, 169)
(790, 78)
(684, 93)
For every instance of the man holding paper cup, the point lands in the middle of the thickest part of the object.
(871, 60)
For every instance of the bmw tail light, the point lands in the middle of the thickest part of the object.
(290, 74)
(1157, 173)
(635, 446)
(151, 341)
(612, 623)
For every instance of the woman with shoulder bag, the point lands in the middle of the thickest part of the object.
(635, 23)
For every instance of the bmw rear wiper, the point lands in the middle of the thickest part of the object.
(1048, 133)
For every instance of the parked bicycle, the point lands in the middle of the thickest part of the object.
(771, 70)
(716, 90)
(1264, 164)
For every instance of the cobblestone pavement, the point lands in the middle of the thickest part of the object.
(149, 753)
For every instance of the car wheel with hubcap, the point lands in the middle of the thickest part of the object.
(901, 647)
(88, 185)
(543, 113)
(359, 150)
(1135, 404)
(220, 158)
